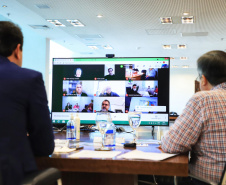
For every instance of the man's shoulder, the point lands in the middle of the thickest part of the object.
(19, 72)
(114, 94)
(31, 72)
(203, 96)
(84, 94)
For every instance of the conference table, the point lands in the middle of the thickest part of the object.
(114, 171)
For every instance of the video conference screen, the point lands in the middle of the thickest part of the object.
(116, 85)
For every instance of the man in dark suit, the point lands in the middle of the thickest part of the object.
(133, 91)
(26, 129)
(78, 90)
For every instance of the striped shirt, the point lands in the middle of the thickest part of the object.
(201, 129)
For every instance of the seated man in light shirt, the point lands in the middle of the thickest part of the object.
(201, 128)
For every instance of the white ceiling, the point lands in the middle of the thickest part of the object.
(131, 27)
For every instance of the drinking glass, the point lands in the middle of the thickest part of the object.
(134, 121)
(102, 122)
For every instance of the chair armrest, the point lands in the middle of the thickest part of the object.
(203, 180)
(42, 177)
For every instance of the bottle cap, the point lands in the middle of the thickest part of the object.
(72, 116)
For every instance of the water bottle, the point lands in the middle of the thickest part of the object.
(77, 123)
(109, 138)
(71, 132)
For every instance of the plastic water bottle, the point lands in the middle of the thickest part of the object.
(77, 123)
(71, 132)
(109, 138)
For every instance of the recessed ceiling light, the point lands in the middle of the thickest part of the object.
(186, 13)
(187, 20)
(76, 23)
(56, 23)
(166, 20)
(175, 66)
(99, 15)
(4, 6)
(183, 58)
(93, 47)
(107, 47)
(185, 66)
(181, 46)
(166, 46)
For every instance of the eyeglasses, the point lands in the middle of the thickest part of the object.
(105, 104)
(198, 78)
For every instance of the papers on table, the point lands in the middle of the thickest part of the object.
(63, 149)
(136, 154)
(95, 154)
(61, 146)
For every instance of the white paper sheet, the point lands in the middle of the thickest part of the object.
(95, 154)
(63, 149)
(136, 154)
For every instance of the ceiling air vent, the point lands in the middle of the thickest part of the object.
(161, 31)
(40, 27)
(86, 36)
(197, 34)
(42, 6)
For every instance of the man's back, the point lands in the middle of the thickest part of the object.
(209, 153)
(23, 111)
(201, 128)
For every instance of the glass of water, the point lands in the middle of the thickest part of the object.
(134, 119)
(102, 122)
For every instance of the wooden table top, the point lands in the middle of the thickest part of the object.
(174, 166)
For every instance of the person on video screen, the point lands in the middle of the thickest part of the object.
(105, 106)
(68, 107)
(110, 75)
(78, 72)
(78, 90)
(76, 106)
(107, 92)
(89, 108)
(151, 74)
(134, 91)
(156, 90)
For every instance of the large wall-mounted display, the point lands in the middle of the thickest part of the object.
(117, 85)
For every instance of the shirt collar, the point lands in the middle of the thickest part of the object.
(4, 59)
(220, 86)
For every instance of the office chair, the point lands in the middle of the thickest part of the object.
(222, 181)
(48, 176)
(1, 179)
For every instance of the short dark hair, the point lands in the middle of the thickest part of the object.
(213, 66)
(10, 36)
(134, 84)
(107, 101)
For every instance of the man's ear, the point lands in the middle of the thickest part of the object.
(204, 81)
(16, 56)
(17, 51)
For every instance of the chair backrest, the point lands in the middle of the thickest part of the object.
(43, 177)
(1, 179)
(223, 177)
